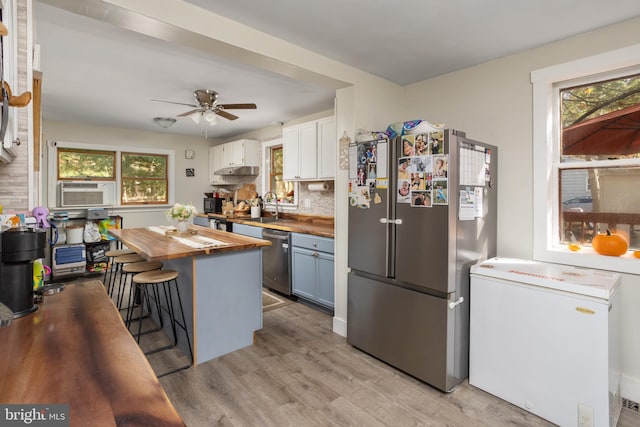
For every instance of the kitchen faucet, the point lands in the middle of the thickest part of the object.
(275, 197)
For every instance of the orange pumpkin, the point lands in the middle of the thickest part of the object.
(636, 254)
(610, 244)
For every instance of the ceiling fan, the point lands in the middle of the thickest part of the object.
(207, 106)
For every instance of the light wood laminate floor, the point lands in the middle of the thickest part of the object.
(299, 373)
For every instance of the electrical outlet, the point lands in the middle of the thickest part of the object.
(585, 415)
(307, 203)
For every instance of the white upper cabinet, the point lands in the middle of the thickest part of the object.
(309, 150)
(216, 158)
(327, 141)
(244, 152)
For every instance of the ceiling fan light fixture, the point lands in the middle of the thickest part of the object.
(196, 117)
(164, 122)
(211, 117)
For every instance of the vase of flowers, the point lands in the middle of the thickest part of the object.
(182, 213)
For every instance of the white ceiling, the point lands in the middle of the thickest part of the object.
(95, 72)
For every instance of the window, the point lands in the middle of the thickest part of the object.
(143, 179)
(272, 181)
(284, 189)
(599, 130)
(145, 176)
(582, 133)
(74, 164)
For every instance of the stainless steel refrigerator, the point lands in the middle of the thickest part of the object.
(422, 212)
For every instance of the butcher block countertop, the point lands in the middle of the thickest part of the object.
(75, 350)
(158, 247)
(306, 224)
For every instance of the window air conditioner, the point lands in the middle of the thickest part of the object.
(86, 193)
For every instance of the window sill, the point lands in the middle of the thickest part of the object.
(588, 258)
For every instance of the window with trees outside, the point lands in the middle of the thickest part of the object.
(76, 164)
(143, 179)
(273, 181)
(600, 130)
(284, 189)
(586, 130)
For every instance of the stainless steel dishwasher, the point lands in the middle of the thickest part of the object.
(276, 261)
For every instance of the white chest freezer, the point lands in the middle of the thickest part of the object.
(545, 337)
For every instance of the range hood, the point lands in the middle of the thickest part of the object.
(238, 171)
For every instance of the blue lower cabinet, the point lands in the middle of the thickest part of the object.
(312, 266)
(248, 230)
(325, 279)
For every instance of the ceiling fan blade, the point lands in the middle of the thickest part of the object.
(225, 114)
(172, 102)
(188, 113)
(238, 106)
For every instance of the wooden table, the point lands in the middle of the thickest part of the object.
(220, 287)
(76, 350)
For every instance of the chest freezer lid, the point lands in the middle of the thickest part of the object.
(584, 281)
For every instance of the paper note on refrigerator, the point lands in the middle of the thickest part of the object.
(466, 212)
(353, 161)
(382, 159)
(478, 199)
(472, 165)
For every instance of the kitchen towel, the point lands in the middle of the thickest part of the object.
(199, 242)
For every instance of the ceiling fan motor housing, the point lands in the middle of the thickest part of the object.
(206, 97)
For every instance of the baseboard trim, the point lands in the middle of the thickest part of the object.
(629, 387)
(340, 326)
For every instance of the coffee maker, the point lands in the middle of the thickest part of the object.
(19, 247)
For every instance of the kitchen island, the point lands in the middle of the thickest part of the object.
(220, 284)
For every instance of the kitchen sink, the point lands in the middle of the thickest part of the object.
(270, 219)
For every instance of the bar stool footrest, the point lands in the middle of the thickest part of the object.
(174, 371)
(159, 349)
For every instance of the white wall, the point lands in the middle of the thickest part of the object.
(492, 102)
(187, 189)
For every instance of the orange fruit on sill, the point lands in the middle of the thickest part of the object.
(636, 254)
(574, 247)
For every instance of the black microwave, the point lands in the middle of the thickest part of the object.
(213, 205)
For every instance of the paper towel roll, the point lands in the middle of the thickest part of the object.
(318, 186)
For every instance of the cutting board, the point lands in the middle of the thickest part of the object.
(246, 192)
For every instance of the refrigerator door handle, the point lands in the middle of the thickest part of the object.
(453, 304)
(390, 221)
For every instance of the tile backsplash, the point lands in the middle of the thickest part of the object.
(319, 202)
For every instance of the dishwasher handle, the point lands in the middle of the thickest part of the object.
(274, 236)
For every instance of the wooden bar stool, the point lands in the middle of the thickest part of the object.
(166, 279)
(130, 270)
(120, 261)
(110, 270)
